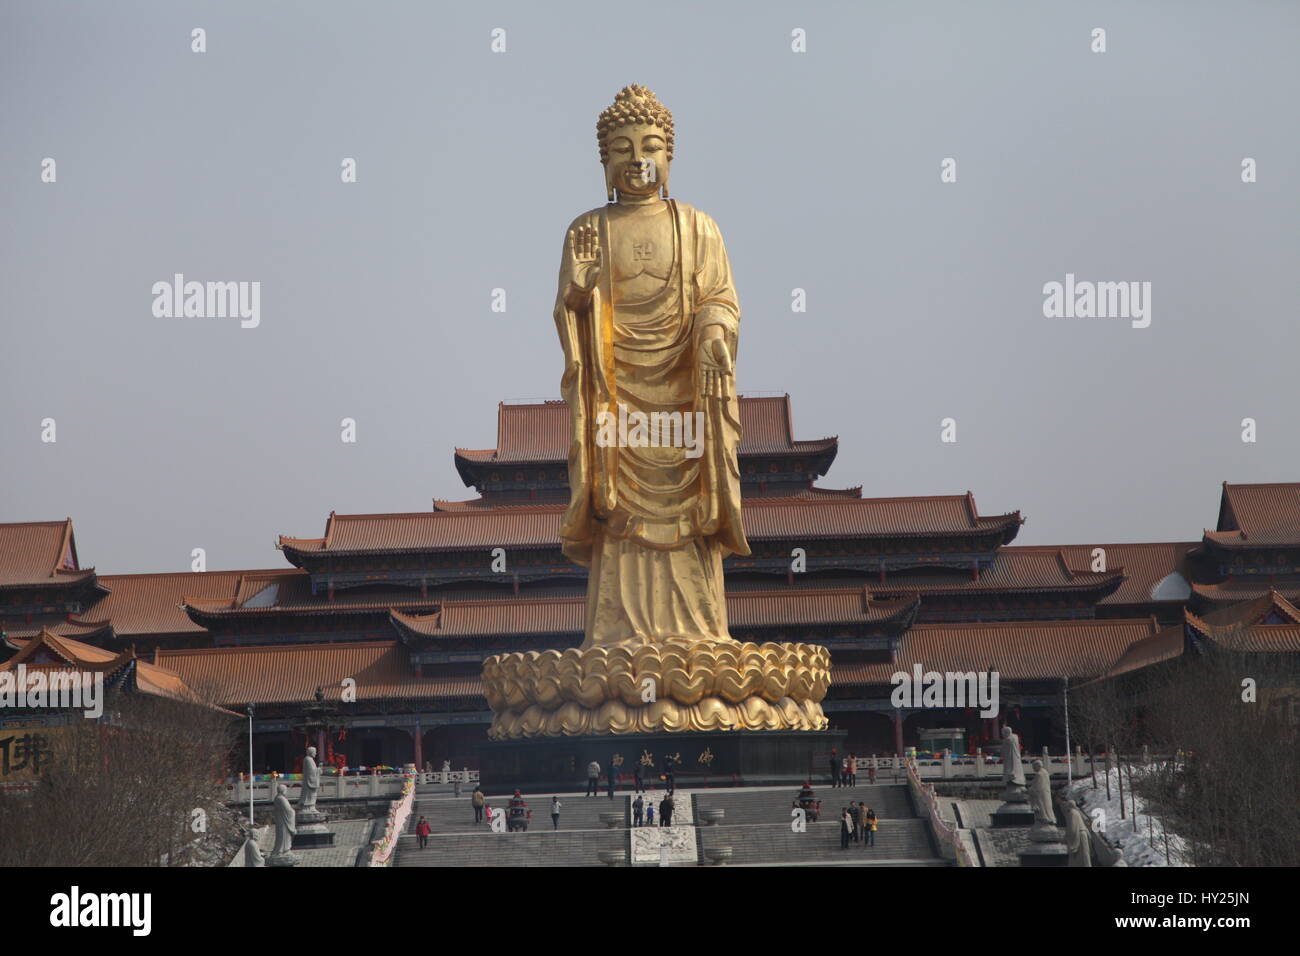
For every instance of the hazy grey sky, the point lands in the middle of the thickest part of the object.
(924, 299)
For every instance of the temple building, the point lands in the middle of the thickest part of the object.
(390, 616)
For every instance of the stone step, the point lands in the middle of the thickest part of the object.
(452, 815)
(533, 848)
(773, 806)
(777, 843)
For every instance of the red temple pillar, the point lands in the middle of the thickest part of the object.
(419, 747)
(898, 732)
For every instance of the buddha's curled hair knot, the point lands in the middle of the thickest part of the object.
(634, 104)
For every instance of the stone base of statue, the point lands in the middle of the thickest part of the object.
(312, 831)
(1046, 833)
(282, 859)
(1043, 851)
(676, 685)
(754, 757)
(1015, 810)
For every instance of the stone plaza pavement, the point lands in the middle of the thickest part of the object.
(350, 837)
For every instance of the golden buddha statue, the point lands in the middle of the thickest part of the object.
(648, 319)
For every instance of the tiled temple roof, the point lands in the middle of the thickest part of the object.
(567, 615)
(275, 674)
(1258, 516)
(1020, 651)
(539, 432)
(39, 553)
(1268, 624)
(49, 652)
(538, 525)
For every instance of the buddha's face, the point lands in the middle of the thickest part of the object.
(638, 160)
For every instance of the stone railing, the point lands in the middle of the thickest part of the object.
(381, 853)
(332, 787)
(947, 835)
(979, 765)
(350, 786)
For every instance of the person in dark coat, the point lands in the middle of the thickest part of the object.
(638, 811)
(669, 765)
(666, 812)
(845, 825)
(638, 778)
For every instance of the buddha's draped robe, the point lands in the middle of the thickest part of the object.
(652, 523)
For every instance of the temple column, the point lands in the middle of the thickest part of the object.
(898, 732)
(419, 747)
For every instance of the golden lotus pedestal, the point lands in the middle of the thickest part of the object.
(675, 686)
(728, 711)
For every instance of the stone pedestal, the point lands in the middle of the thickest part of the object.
(1015, 811)
(755, 757)
(312, 831)
(1045, 847)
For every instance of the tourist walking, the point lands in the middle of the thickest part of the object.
(669, 766)
(613, 780)
(650, 813)
(666, 812)
(422, 830)
(555, 812)
(853, 770)
(478, 800)
(638, 778)
(846, 823)
(638, 810)
(856, 811)
(871, 827)
(593, 778)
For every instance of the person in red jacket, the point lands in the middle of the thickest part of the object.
(422, 831)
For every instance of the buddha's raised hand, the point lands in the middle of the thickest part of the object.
(581, 266)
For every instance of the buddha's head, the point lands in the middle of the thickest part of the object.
(635, 135)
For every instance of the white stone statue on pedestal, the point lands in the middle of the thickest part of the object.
(1040, 801)
(285, 828)
(1013, 771)
(310, 781)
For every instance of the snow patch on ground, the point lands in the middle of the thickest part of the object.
(1146, 846)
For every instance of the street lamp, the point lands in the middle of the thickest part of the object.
(250, 765)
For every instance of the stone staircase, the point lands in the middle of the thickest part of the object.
(456, 841)
(757, 828)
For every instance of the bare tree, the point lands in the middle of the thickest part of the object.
(143, 786)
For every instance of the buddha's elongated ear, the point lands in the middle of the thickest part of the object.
(609, 183)
(664, 187)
